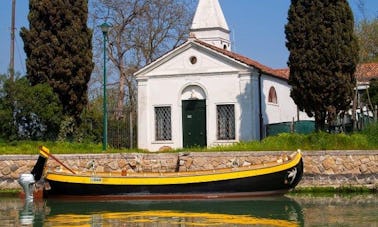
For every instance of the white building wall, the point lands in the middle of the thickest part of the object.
(245, 103)
(222, 89)
(285, 110)
(143, 118)
(167, 91)
(164, 84)
(223, 81)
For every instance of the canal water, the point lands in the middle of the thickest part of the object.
(292, 210)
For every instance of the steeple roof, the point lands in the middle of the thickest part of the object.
(209, 15)
(210, 26)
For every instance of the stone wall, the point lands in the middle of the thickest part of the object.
(321, 168)
(340, 168)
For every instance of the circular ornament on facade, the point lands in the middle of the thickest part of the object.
(193, 60)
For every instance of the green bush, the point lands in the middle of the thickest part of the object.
(28, 112)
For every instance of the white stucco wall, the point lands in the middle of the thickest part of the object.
(220, 80)
(219, 89)
(223, 82)
(285, 110)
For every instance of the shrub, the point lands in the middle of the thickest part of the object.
(29, 112)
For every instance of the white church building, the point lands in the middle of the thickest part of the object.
(203, 94)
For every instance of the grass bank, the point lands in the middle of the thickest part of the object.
(365, 140)
(31, 147)
(10, 193)
(334, 190)
(312, 191)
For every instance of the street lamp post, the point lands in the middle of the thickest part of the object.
(105, 29)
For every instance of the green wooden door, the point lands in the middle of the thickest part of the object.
(194, 123)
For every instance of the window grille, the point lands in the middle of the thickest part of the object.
(225, 122)
(163, 128)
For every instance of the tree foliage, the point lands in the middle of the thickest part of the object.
(367, 34)
(58, 47)
(371, 95)
(28, 112)
(323, 57)
(142, 30)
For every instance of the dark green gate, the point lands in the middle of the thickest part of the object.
(194, 123)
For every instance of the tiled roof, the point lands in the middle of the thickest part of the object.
(364, 72)
(265, 69)
(367, 71)
(284, 72)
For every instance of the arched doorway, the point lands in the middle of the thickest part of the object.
(193, 100)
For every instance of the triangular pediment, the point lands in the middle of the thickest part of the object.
(192, 59)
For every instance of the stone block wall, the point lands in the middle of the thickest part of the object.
(340, 168)
(321, 168)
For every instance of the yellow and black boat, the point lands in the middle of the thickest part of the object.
(268, 179)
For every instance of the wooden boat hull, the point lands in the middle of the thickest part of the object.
(243, 183)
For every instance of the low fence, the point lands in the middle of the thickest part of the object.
(321, 168)
(308, 126)
(301, 127)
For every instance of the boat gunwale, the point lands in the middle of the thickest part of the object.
(150, 178)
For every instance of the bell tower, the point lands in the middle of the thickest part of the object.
(210, 26)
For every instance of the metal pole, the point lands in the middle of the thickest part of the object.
(131, 128)
(261, 121)
(105, 111)
(11, 62)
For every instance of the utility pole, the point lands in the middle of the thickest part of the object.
(11, 63)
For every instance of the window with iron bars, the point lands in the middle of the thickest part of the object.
(225, 122)
(163, 128)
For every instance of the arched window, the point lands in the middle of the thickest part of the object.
(272, 95)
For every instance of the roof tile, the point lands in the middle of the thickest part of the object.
(364, 71)
(367, 71)
(265, 69)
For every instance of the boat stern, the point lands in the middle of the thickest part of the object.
(28, 180)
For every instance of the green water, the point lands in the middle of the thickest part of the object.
(298, 210)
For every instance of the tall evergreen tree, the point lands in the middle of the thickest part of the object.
(323, 57)
(58, 47)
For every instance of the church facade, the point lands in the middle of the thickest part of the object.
(203, 94)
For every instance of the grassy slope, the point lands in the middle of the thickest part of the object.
(365, 140)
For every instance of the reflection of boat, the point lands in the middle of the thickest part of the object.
(166, 218)
(270, 178)
(274, 211)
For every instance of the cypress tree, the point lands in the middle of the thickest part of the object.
(58, 46)
(323, 57)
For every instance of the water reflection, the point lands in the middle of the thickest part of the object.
(164, 218)
(276, 211)
(27, 214)
(361, 210)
